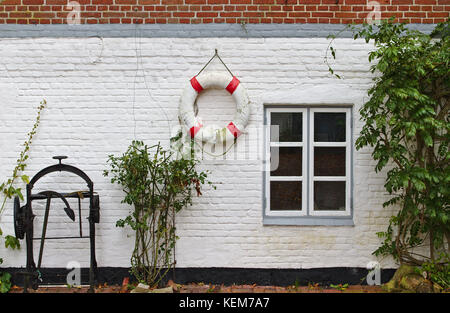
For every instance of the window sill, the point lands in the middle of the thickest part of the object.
(308, 221)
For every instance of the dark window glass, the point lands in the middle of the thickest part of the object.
(329, 161)
(329, 195)
(285, 195)
(329, 127)
(289, 127)
(286, 161)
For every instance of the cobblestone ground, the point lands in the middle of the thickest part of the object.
(209, 288)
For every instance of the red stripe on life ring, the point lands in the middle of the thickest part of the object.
(234, 130)
(194, 130)
(233, 85)
(196, 85)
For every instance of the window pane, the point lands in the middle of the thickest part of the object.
(329, 127)
(289, 127)
(329, 161)
(285, 195)
(329, 195)
(286, 161)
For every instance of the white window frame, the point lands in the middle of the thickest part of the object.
(269, 178)
(346, 178)
(308, 177)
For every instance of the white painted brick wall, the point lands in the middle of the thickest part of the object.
(90, 115)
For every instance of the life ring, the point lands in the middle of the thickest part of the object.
(193, 123)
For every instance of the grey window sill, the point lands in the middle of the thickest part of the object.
(308, 221)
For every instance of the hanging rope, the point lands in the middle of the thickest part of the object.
(215, 155)
(216, 54)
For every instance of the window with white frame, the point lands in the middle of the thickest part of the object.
(308, 176)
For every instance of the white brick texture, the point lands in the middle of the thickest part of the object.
(101, 94)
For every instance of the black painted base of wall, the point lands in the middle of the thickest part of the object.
(226, 276)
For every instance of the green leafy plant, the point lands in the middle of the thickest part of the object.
(12, 242)
(8, 191)
(340, 287)
(5, 278)
(158, 186)
(438, 271)
(407, 124)
(5, 282)
(7, 188)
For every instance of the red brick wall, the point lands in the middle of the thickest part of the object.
(220, 11)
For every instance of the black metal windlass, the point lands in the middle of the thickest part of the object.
(23, 219)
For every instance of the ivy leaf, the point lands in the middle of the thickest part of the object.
(12, 242)
(428, 140)
(25, 179)
(18, 192)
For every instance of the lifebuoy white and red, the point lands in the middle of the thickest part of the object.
(214, 134)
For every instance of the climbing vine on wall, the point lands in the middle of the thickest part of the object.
(407, 124)
(9, 190)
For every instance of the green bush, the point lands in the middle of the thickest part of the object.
(438, 271)
(158, 186)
